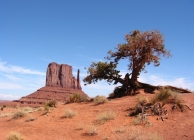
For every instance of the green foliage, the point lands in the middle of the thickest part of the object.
(76, 98)
(101, 71)
(141, 49)
(19, 114)
(15, 136)
(100, 100)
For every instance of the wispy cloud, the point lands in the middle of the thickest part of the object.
(9, 85)
(4, 67)
(45, 59)
(158, 80)
(8, 97)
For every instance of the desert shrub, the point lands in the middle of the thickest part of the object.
(5, 115)
(69, 113)
(121, 129)
(105, 116)
(46, 108)
(51, 103)
(91, 131)
(155, 136)
(4, 106)
(1, 108)
(142, 100)
(76, 98)
(136, 134)
(168, 96)
(19, 114)
(15, 136)
(80, 127)
(30, 118)
(100, 100)
(163, 95)
(141, 119)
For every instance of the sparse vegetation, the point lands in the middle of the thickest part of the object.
(105, 116)
(18, 114)
(121, 129)
(142, 100)
(76, 98)
(15, 136)
(80, 127)
(136, 134)
(91, 131)
(5, 115)
(69, 113)
(51, 103)
(30, 118)
(141, 119)
(168, 96)
(100, 100)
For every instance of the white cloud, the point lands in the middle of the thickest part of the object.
(12, 77)
(7, 85)
(8, 97)
(158, 80)
(4, 67)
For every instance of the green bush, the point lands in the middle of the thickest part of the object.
(100, 100)
(15, 136)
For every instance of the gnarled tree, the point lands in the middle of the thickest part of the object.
(141, 49)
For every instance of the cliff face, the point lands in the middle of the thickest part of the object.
(59, 84)
(61, 76)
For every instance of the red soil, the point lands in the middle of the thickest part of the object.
(179, 125)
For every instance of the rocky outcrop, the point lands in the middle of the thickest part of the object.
(60, 82)
(61, 76)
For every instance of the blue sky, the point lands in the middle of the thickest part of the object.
(78, 32)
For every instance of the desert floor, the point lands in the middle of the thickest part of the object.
(178, 126)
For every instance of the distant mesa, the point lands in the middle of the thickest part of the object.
(60, 82)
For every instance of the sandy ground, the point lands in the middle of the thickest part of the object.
(179, 125)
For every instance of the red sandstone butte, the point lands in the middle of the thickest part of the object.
(60, 82)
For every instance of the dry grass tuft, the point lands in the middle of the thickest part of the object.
(69, 113)
(76, 98)
(136, 134)
(91, 131)
(80, 127)
(105, 116)
(100, 100)
(15, 136)
(18, 114)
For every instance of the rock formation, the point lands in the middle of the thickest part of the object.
(61, 76)
(60, 82)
